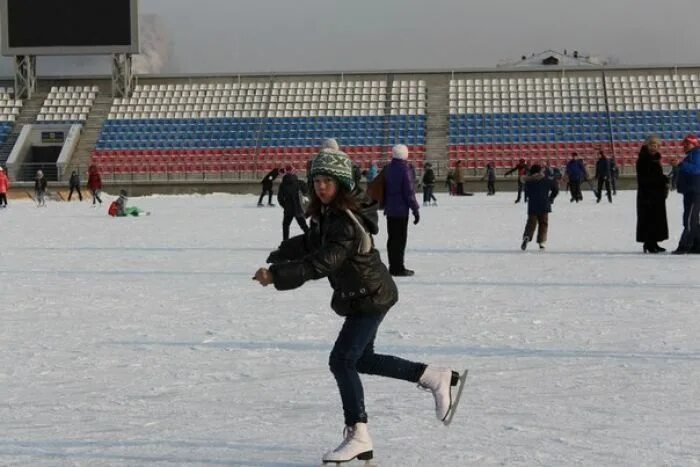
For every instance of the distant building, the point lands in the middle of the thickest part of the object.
(554, 58)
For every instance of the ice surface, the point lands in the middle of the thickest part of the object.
(144, 341)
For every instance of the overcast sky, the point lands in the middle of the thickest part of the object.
(208, 36)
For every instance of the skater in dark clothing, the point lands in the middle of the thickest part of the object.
(521, 167)
(673, 174)
(289, 197)
(94, 184)
(652, 189)
(576, 173)
(603, 174)
(458, 175)
(689, 186)
(340, 246)
(541, 192)
(74, 184)
(399, 199)
(614, 175)
(429, 185)
(490, 177)
(40, 188)
(266, 183)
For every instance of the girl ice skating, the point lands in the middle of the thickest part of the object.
(339, 246)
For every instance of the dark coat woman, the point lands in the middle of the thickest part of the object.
(652, 189)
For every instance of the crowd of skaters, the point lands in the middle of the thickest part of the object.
(653, 186)
(538, 185)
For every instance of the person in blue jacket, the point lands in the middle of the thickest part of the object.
(689, 186)
(576, 173)
(541, 191)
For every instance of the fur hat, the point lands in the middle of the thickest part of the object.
(335, 164)
(400, 151)
(330, 143)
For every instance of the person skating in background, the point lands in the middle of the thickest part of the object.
(614, 174)
(267, 183)
(399, 198)
(356, 174)
(652, 189)
(339, 246)
(689, 187)
(458, 175)
(74, 184)
(541, 191)
(521, 168)
(673, 173)
(603, 174)
(4, 188)
(289, 197)
(575, 173)
(94, 184)
(490, 177)
(429, 185)
(450, 183)
(40, 188)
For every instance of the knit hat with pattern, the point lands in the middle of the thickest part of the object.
(334, 164)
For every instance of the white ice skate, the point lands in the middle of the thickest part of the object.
(439, 381)
(356, 445)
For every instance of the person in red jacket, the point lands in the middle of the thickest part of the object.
(4, 186)
(94, 183)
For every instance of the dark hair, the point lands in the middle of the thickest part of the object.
(343, 200)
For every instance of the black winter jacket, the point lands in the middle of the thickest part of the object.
(428, 177)
(361, 282)
(541, 192)
(288, 195)
(269, 178)
(40, 184)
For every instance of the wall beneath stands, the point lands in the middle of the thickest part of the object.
(472, 184)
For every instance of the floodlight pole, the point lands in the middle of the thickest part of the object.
(25, 76)
(122, 78)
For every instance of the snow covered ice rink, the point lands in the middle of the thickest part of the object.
(144, 341)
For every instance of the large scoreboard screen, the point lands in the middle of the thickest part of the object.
(68, 27)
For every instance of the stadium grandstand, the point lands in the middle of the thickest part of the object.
(200, 129)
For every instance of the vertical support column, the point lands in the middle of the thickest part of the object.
(122, 78)
(25, 76)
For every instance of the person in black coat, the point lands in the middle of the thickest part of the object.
(652, 189)
(541, 191)
(74, 185)
(490, 177)
(289, 197)
(603, 174)
(339, 246)
(266, 183)
(429, 185)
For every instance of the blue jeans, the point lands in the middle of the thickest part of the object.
(353, 353)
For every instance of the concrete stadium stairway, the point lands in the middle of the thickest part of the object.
(90, 135)
(437, 122)
(30, 110)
